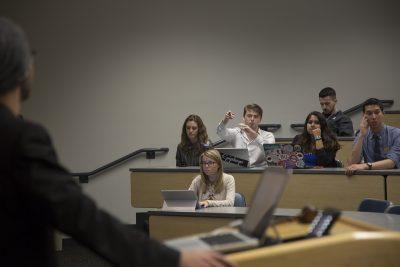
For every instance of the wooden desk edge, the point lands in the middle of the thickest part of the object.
(337, 171)
(304, 245)
(363, 226)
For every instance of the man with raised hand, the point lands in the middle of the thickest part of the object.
(247, 134)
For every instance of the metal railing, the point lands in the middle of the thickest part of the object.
(150, 154)
(271, 127)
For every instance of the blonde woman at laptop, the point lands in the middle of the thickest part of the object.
(213, 187)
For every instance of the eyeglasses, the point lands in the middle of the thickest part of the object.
(207, 163)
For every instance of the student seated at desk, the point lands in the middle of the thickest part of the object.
(377, 146)
(213, 187)
(247, 134)
(317, 141)
(194, 141)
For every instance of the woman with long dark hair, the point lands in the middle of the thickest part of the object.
(194, 141)
(317, 141)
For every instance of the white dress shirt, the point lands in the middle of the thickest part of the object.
(238, 139)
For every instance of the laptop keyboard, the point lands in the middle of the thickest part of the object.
(220, 239)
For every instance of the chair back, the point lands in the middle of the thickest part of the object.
(374, 205)
(394, 209)
(240, 200)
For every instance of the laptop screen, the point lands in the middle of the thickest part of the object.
(285, 155)
(179, 199)
(179, 195)
(234, 157)
(268, 193)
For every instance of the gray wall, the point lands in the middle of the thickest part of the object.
(116, 76)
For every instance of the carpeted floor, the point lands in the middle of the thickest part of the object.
(74, 255)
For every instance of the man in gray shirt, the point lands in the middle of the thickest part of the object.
(377, 144)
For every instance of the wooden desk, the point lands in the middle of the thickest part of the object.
(172, 224)
(351, 243)
(371, 242)
(146, 184)
(355, 249)
(320, 187)
(331, 188)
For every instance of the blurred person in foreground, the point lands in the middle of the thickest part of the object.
(37, 195)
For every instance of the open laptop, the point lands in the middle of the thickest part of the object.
(284, 155)
(251, 232)
(234, 157)
(179, 200)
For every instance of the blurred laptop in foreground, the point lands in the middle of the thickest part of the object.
(251, 233)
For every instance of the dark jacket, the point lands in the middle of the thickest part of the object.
(37, 195)
(340, 124)
(191, 156)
